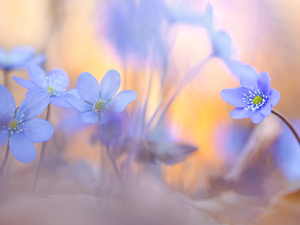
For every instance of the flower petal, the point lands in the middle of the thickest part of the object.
(264, 83)
(7, 105)
(4, 132)
(60, 102)
(38, 76)
(22, 148)
(240, 113)
(59, 79)
(119, 103)
(235, 96)
(78, 104)
(36, 60)
(208, 18)
(33, 105)
(28, 84)
(37, 130)
(88, 117)
(20, 55)
(266, 109)
(110, 84)
(249, 78)
(257, 117)
(88, 87)
(274, 97)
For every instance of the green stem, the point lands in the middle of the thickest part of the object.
(285, 120)
(41, 156)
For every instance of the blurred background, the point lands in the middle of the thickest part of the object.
(78, 36)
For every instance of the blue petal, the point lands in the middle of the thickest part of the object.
(59, 79)
(33, 105)
(7, 105)
(4, 132)
(119, 103)
(234, 96)
(266, 109)
(36, 60)
(73, 92)
(19, 56)
(249, 78)
(88, 87)
(110, 84)
(38, 76)
(257, 117)
(264, 83)
(222, 45)
(236, 67)
(78, 104)
(274, 97)
(88, 117)
(28, 84)
(37, 130)
(240, 113)
(208, 18)
(22, 148)
(59, 101)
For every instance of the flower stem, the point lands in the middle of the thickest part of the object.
(4, 160)
(112, 160)
(185, 80)
(41, 156)
(285, 120)
(5, 74)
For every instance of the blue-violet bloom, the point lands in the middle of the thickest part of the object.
(96, 103)
(55, 84)
(19, 126)
(19, 58)
(255, 99)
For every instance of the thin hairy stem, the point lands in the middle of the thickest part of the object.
(285, 120)
(185, 80)
(2, 167)
(41, 156)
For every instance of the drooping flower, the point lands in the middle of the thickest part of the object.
(19, 58)
(55, 84)
(255, 99)
(19, 126)
(95, 103)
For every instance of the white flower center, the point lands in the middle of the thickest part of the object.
(255, 100)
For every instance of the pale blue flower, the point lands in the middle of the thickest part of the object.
(96, 103)
(19, 58)
(55, 84)
(19, 125)
(255, 99)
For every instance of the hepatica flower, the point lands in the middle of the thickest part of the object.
(55, 84)
(96, 103)
(19, 58)
(19, 126)
(255, 99)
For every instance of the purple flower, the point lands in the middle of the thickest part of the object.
(19, 125)
(55, 84)
(95, 103)
(255, 99)
(19, 58)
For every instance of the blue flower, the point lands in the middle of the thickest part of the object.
(19, 125)
(287, 154)
(55, 84)
(19, 58)
(95, 103)
(255, 99)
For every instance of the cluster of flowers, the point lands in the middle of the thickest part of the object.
(134, 32)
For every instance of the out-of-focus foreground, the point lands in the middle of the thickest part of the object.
(191, 164)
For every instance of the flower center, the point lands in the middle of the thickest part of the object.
(12, 125)
(99, 106)
(255, 99)
(51, 91)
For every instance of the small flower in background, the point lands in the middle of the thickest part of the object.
(95, 104)
(55, 84)
(19, 125)
(19, 58)
(287, 153)
(255, 99)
